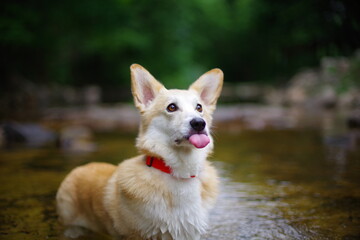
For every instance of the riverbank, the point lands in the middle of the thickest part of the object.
(235, 117)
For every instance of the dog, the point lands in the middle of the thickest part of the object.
(164, 193)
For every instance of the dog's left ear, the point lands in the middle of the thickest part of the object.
(144, 86)
(209, 86)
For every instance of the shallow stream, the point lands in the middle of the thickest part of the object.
(276, 184)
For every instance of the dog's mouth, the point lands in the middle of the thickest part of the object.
(198, 140)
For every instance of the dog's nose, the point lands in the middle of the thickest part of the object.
(198, 124)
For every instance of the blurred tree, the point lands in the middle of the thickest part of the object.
(94, 41)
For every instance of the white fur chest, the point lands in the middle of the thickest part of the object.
(181, 218)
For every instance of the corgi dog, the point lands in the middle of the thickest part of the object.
(164, 193)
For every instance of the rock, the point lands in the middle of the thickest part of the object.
(301, 86)
(32, 135)
(99, 118)
(331, 85)
(92, 95)
(274, 96)
(76, 139)
(252, 116)
(334, 69)
(326, 97)
(350, 99)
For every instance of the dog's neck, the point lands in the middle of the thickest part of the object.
(183, 161)
(160, 164)
(186, 163)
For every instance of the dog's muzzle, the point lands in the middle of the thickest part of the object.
(198, 137)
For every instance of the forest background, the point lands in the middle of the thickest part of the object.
(93, 42)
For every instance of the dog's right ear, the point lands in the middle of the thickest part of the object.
(144, 86)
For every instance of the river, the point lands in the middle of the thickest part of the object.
(289, 183)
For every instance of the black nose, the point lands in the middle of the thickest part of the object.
(198, 124)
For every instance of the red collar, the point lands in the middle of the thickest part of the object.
(159, 164)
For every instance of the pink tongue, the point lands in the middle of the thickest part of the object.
(199, 140)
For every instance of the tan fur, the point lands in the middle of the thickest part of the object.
(209, 184)
(107, 198)
(84, 187)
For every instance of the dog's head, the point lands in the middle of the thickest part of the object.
(174, 118)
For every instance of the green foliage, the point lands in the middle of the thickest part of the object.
(95, 41)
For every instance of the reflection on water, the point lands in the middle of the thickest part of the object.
(285, 184)
(243, 212)
(276, 184)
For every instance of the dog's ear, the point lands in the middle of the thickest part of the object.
(209, 86)
(144, 86)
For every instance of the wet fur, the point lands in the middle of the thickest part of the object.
(133, 201)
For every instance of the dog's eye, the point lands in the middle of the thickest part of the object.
(199, 108)
(172, 107)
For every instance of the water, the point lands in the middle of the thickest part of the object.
(275, 184)
(288, 184)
